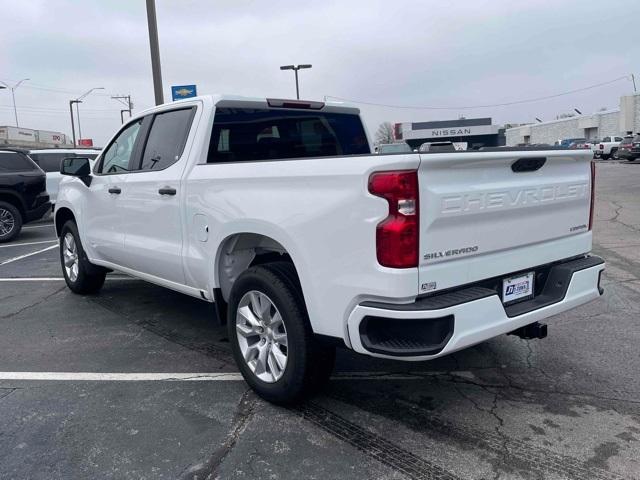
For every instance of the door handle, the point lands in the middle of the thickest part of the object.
(167, 191)
(115, 190)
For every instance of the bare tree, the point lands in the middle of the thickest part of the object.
(384, 134)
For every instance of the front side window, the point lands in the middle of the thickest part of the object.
(117, 156)
(246, 134)
(167, 138)
(15, 162)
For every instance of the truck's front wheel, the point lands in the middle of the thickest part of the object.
(271, 337)
(81, 275)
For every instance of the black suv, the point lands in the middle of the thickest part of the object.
(23, 196)
(629, 148)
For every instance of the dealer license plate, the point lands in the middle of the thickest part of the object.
(517, 288)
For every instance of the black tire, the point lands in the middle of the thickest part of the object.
(614, 153)
(90, 278)
(10, 213)
(309, 363)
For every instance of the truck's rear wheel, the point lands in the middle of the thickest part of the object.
(271, 337)
(81, 275)
(10, 222)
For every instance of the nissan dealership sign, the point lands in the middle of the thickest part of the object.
(453, 131)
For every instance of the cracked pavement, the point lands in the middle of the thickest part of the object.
(566, 407)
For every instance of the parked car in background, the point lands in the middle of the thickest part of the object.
(580, 144)
(393, 148)
(629, 148)
(306, 241)
(49, 160)
(434, 147)
(568, 141)
(608, 147)
(23, 196)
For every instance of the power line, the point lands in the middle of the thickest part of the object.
(468, 107)
(60, 109)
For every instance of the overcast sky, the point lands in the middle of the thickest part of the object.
(413, 53)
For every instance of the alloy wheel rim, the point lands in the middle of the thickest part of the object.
(262, 336)
(70, 256)
(7, 222)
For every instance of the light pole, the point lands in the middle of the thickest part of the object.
(129, 105)
(155, 51)
(78, 101)
(13, 96)
(295, 68)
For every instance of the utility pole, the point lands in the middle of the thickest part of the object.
(129, 105)
(13, 96)
(73, 127)
(78, 101)
(295, 68)
(155, 51)
(633, 79)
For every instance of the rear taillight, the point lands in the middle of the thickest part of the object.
(397, 236)
(601, 147)
(593, 193)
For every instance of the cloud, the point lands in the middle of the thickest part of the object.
(404, 52)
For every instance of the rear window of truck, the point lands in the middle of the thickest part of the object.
(50, 162)
(247, 134)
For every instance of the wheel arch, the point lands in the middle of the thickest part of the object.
(241, 250)
(14, 199)
(62, 216)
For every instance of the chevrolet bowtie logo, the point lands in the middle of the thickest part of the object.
(183, 92)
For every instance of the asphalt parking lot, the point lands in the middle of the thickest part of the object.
(138, 382)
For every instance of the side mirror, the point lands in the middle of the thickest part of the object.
(77, 167)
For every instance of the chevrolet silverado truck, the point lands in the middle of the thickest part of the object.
(278, 212)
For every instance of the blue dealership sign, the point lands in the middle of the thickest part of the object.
(179, 92)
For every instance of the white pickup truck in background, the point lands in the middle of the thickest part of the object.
(277, 211)
(608, 147)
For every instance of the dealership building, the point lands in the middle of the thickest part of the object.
(473, 133)
(617, 121)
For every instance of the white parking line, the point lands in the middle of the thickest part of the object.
(55, 279)
(188, 377)
(24, 244)
(121, 377)
(50, 225)
(15, 259)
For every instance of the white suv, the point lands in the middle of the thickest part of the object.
(49, 161)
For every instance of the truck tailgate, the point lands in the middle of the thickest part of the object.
(484, 214)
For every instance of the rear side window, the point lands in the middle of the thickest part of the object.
(15, 162)
(606, 139)
(246, 134)
(167, 138)
(50, 162)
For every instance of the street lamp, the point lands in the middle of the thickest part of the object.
(295, 68)
(13, 95)
(78, 101)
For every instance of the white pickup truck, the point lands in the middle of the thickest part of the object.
(608, 147)
(277, 211)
